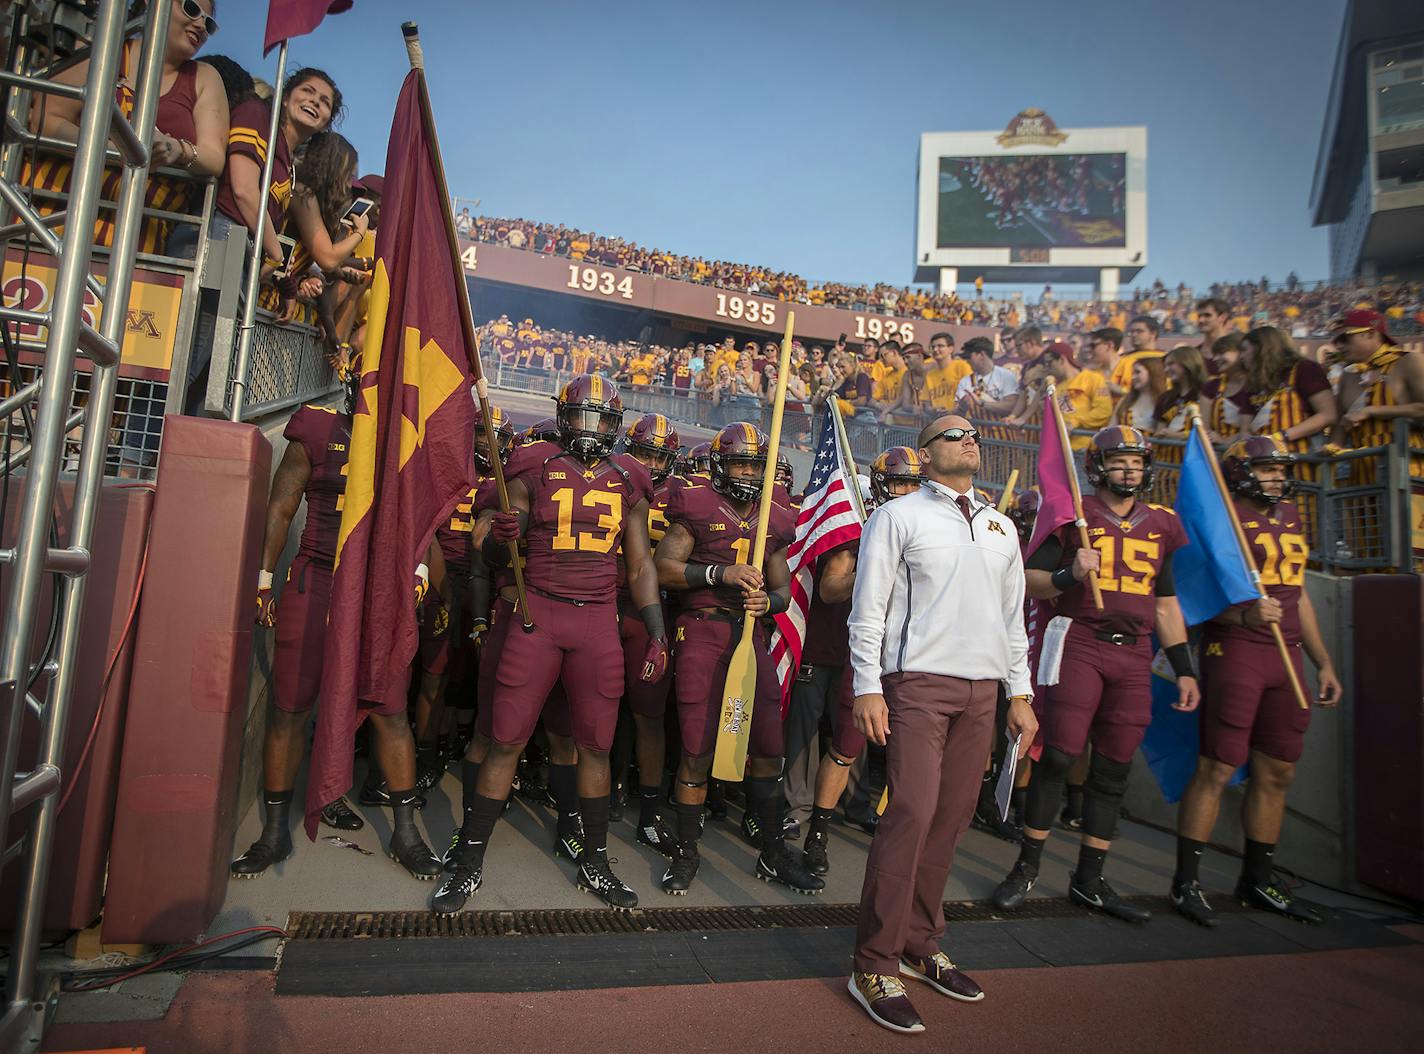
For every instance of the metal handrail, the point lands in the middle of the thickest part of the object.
(25, 1014)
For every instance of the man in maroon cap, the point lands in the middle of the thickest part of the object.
(1084, 398)
(1382, 382)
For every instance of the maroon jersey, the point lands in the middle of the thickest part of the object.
(1132, 551)
(576, 520)
(1280, 549)
(720, 536)
(827, 625)
(657, 525)
(325, 435)
(453, 536)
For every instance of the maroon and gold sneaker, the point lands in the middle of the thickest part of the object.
(884, 999)
(942, 975)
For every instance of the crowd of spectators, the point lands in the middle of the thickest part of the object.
(1258, 381)
(1301, 310)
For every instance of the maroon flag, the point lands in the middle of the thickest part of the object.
(1056, 490)
(296, 18)
(411, 457)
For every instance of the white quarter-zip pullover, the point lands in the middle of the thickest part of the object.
(936, 593)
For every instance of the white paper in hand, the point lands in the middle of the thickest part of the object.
(1004, 789)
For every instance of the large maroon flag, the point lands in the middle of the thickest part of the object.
(296, 18)
(411, 458)
(1056, 491)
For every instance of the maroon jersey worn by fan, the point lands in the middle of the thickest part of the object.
(325, 435)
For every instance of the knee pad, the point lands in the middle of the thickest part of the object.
(1053, 765)
(1102, 795)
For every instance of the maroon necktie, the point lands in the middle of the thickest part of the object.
(964, 508)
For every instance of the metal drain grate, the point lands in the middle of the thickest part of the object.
(568, 922)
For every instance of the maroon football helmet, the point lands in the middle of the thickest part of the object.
(589, 412)
(654, 441)
(738, 443)
(503, 434)
(1118, 439)
(899, 464)
(696, 462)
(1239, 463)
(1024, 512)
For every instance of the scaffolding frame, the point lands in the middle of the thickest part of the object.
(27, 1002)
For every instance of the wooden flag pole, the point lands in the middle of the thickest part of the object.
(833, 406)
(1245, 547)
(1082, 524)
(734, 725)
(411, 32)
(1007, 498)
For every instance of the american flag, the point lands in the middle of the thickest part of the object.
(830, 516)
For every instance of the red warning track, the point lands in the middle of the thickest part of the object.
(1315, 1001)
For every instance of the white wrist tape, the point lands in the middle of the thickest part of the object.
(264, 579)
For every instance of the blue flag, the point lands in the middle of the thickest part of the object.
(1211, 573)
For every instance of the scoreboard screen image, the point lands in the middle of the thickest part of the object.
(1029, 201)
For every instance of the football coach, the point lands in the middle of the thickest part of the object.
(936, 627)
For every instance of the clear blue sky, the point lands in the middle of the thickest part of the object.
(785, 133)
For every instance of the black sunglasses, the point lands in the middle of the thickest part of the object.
(191, 9)
(954, 435)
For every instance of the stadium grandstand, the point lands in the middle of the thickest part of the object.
(196, 416)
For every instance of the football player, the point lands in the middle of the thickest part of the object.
(1249, 710)
(705, 555)
(573, 503)
(654, 442)
(893, 474)
(442, 633)
(1103, 686)
(314, 467)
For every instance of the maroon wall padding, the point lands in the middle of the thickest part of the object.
(1388, 710)
(177, 806)
(75, 886)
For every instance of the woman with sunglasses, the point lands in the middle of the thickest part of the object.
(190, 128)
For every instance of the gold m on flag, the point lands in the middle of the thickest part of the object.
(411, 459)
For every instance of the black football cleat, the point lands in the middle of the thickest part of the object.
(780, 867)
(814, 854)
(1276, 900)
(1097, 895)
(988, 820)
(750, 830)
(447, 862)
(411, 852)
(268, 850)
(1190, 902)
(677, 879)
(569, 846)
(1010, 894)
(658, 838)
(617, 804)
(459, 886)
(379, 795)
(596, 876)
(429, 769)
(866, 822)
(338, 815)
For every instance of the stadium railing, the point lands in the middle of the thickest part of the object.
(171, 295)
(1355, 504)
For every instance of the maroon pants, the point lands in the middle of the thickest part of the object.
(1103, 695)
(648, 700)
(703, 648)
(300, 637)
(940, 731)
(1248, 703)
